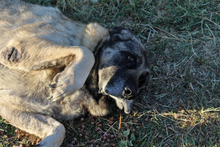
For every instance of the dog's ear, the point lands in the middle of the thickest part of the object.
(120, 34)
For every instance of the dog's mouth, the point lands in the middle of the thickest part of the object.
(123, 103)
(120, 102)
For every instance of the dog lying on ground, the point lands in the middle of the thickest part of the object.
(54, 68)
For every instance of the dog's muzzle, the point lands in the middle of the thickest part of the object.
(123, 103)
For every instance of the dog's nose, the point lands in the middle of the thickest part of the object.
(129, 92)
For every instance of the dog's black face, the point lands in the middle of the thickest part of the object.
(123, 68)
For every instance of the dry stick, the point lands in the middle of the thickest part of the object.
(194, 126)
(110, 127)
(71, 126)
(155, 131)
(119, 127)
(166, 139)
(177, 38)
(24, 74)
(182, 63)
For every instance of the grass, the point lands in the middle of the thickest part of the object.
(181, 105)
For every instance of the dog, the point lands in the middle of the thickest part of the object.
(54, 68)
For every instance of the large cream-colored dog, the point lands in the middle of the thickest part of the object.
(54, 68)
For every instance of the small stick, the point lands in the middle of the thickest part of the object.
(119, 127)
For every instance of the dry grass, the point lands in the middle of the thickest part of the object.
(181, 105)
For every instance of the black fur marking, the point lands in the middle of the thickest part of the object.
(116, 36)
(115, 30)
(92, 80)
(12, 54)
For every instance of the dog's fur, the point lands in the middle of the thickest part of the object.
(54, 68)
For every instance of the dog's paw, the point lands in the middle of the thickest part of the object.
(44, 143)
(53, 98)
(57, 88)
(58, 91)
(55, 139)
(63, 85)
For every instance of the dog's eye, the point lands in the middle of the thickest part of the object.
(130, 58)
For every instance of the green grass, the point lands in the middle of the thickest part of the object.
(181, 105)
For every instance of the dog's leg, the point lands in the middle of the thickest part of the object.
(73, 76)
(29, 54)
(45, 127)
(34, 53)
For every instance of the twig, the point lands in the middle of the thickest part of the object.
(194, 126)
(119, 127)
(169, 34)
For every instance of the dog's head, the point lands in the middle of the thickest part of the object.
(122, 68)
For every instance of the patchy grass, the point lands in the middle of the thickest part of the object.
(181, 105)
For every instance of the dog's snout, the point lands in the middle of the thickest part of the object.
(129, 92)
